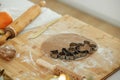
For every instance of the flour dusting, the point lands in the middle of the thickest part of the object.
(106, 53)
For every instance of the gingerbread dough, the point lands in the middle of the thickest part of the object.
(59, 41)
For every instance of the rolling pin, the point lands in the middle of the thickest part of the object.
(20, 23)
(57, 69)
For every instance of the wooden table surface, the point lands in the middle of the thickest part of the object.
(65, 9)
(30, 47)
(24, 51)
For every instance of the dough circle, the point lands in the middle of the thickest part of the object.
(59, 41)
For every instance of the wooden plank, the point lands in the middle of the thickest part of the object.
(98, 65)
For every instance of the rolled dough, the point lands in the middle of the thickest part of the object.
(59, 41)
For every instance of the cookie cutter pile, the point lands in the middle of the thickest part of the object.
(75, 51)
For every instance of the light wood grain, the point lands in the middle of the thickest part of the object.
(24, 66)
(107, 54)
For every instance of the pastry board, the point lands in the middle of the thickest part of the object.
(28, 46)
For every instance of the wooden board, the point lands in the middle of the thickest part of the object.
(100, 64)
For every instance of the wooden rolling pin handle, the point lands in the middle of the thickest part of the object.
(12, 32)
(57, 69)
(21, 22)
(45, 64)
